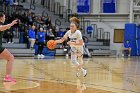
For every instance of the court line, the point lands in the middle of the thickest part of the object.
(74, 83)
(60, 80)
(117, 74)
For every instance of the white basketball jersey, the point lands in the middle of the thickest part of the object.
(73, 36)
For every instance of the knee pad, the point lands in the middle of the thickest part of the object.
(74, 59)
(73, 50)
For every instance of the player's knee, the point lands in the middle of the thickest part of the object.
(11, 58)
(80, 55)
(80, 59)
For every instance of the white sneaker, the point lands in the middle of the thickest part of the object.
(67, 56)
(42, 56)
(39, 56)
(65, 49)
(84, 72)
(9, 42)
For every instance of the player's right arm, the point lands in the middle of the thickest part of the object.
(60, 40)
(63, 38)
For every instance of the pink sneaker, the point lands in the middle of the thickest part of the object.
(9, 79)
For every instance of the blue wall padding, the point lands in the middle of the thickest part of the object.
(138, 40)
(130, 34)
(45, 51)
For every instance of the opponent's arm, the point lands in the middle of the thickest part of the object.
(4, 27)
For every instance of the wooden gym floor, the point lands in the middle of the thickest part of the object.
(57, 75)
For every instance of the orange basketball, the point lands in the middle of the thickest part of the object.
(51, 44)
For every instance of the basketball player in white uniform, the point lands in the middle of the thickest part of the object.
(76, 43)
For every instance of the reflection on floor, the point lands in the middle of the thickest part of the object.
(58, 75)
